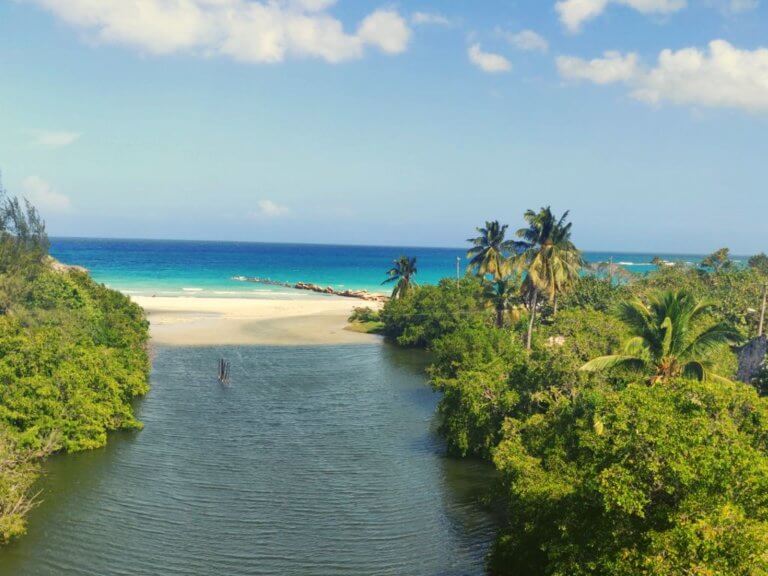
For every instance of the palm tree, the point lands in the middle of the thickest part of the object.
(501, 294)
(490, 251)
(549, 257)
(402, 272)
(667, 341)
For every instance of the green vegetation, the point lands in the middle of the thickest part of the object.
(759, 262)
(365, 321)
(550, 260)
(618, 449)
(718, 261)
(665, 343)
(72, 357)
(402, 274)
(489, 255)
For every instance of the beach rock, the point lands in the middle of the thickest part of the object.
(309, 287)
(57, 266)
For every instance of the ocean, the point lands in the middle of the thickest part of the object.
(176, 268)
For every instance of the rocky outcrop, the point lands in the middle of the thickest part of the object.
(751, 359)
(57, 266)
(359, 294)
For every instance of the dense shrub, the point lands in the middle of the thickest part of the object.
(430, 312)
(72, 357)
(645, 480)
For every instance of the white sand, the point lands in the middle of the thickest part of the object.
(300, 321)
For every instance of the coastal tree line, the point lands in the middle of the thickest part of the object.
(72, 357)
(606, 400)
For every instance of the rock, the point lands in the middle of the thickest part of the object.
(330, 290)
(751, 359)
(63, 268)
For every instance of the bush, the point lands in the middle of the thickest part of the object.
(431, 312)
(646, 480)
(473, 369)
(365, 315)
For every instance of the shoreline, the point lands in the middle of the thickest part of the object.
(189, 321)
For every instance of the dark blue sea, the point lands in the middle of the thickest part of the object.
(166, 267)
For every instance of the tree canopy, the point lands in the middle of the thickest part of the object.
(603, 474)
(670, 338)
(72, 357)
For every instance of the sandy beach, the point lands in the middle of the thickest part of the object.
(268, 321)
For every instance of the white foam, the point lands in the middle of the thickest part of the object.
(192, 289)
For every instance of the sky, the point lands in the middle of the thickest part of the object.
(392, 123)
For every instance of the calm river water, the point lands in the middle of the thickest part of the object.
(315, 461)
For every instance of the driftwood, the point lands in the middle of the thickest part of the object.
(751, 359)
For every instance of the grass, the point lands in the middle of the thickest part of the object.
(365, 327)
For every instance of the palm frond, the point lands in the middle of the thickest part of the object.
(714, 337)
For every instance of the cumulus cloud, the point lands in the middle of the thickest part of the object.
(245, 30)
(44, 196)
(612, 67)
(528, 40)
(721, 76)
(269, 209)
(575, 13)
(56, 139)
(488, 61)
(387, 30)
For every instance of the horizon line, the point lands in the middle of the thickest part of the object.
(347, 245)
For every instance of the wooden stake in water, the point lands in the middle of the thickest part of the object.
(224, 371)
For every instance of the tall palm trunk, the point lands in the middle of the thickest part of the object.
(500, 317)
(534, 302)
(554, 312)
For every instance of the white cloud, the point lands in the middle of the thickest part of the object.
(386, 30)
(44, 196)
(487, 61)
(613, 67)
(741, 6)
(245, 30)
(430, 19)
(575, 13)
(722, 76)
(56, 139)
(528, 40)
(269, 209)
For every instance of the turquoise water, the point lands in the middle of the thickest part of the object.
(208, 268)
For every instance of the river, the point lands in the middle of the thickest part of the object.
(314, 461)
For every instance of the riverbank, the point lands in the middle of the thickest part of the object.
(264, 321)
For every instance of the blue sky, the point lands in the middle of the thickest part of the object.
(389, 123)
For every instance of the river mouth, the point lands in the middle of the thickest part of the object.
(315, 460)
